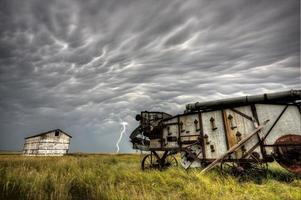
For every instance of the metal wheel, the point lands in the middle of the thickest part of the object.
(170, 161)
(231, 167)
(258, 167)
(287, 152)
(150, 161)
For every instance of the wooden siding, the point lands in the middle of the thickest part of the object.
(47, 144)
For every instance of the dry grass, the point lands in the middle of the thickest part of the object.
(119, 177)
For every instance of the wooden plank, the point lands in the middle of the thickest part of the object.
(232, 140)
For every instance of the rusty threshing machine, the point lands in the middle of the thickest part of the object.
(242, 133)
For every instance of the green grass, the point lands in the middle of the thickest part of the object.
(119, 177)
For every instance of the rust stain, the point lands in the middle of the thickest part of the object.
(288, 152)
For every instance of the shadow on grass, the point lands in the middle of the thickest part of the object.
(78, 190)
(258, 176)
(12, 191)
(282, 176)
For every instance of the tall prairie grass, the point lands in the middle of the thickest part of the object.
(120, 177)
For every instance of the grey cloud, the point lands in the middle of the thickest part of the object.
(83, 66)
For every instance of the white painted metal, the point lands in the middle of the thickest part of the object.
(155, 143)
(189, 128)
(216, 137)
(289, 123)
(170, 130)
(244, 126)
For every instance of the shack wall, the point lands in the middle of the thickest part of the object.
(48, 144)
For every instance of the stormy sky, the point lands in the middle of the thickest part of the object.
(86, 66)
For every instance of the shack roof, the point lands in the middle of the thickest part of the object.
(43, 133)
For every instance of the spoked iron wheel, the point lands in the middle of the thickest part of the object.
(150, 161)
(246, 171)
(170, 161)
(256, 167)
(253, 171)
(232, 168)
(154, 161)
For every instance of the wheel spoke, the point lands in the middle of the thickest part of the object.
(152, 161)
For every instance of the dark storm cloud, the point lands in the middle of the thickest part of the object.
(83, 66)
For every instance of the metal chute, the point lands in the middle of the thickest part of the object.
(138, 140)
(135, 132)
(278, 97)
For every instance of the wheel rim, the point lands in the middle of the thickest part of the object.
(150, 162)
(171, 161)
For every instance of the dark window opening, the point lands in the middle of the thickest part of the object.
(57, 133)
(172, 139)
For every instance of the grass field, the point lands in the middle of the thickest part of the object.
(119, 177)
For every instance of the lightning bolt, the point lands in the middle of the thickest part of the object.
(123, 131)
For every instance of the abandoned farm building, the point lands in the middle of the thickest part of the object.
(51, 143)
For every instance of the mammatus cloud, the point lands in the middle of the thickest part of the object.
(82, 65)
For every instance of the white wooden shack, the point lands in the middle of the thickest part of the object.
(51, 143)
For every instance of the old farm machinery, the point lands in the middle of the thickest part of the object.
(240, 132)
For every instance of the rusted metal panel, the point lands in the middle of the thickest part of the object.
(289, 123)
(287, 151)
(214, 135)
